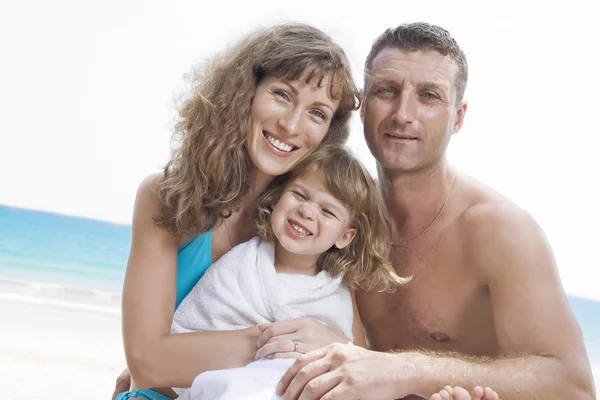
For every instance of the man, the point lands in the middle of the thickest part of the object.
(485, 305)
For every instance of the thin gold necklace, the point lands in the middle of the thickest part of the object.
(434, 219)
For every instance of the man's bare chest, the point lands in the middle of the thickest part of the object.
(442, 308)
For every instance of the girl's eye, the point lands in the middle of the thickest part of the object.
(298, 195)
(329, 213)
(282, 94)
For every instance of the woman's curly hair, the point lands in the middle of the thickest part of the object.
(208, 173)
(365, 261)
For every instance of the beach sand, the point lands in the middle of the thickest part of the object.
(52, 352)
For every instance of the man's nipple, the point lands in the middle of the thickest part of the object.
(440, 336)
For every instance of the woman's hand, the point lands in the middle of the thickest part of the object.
(291, 339)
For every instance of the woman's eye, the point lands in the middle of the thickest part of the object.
(282, 94)
(320, 114)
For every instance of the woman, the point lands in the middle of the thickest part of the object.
(255, 111)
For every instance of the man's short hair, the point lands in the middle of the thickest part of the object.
(421, 36)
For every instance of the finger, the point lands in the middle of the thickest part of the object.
(292, 373)
(435, 396)
(280, 344)
(262, 327)
(340, 392)
(489, 394)
(277, 329)
(477, 393)
(320, 386)
(460, 394)
(289, 354)
(449, 389)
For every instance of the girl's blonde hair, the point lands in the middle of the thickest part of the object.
(208, 173)
(364, 262)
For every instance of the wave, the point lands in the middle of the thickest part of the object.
(54, 294)
(56, 287)
(59, 303)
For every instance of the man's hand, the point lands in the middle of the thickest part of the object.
(344, 371)
(278, 338)
(122, 384)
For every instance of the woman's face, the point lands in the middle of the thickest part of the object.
(288, 120)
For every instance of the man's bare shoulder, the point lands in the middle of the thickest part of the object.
(493, 226)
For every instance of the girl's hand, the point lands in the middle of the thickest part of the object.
(291, 339)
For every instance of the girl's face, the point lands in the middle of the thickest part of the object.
(288, 120)
(307, 219)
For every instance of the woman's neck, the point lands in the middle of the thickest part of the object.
(290, 263)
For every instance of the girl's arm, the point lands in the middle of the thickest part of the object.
(155, 357)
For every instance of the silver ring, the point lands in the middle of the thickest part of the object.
(295, 345)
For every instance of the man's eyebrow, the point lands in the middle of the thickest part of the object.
(432, 85)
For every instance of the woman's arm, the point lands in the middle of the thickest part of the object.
(155, 357)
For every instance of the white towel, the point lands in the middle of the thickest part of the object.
(255, 381)
(243, 289)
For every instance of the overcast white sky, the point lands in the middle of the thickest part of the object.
(87, 91)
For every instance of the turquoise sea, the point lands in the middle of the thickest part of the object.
(80, 263)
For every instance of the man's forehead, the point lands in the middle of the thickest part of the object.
(427, 65)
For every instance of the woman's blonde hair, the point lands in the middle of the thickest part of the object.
(364, 262)
(208, 174)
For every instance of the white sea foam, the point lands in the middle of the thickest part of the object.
(54, 294)
(59, 303)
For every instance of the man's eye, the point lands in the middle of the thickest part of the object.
(385, 90)
(430, 95)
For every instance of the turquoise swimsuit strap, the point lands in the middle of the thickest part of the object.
(147, 394)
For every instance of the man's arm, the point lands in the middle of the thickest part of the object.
(543, 352)
(542, 345)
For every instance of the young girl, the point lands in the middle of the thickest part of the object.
(321, 233)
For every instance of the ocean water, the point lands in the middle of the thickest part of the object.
(80, 263)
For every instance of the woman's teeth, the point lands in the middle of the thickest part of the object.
(279, 145)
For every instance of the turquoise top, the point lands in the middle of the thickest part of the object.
(193, 259)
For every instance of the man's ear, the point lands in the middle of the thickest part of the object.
(362, 105)
(346, 238)
(459, 120)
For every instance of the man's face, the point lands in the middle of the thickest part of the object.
(410, 110)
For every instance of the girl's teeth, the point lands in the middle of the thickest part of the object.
(298, 229)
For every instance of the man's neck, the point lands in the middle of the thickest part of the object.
(414, 198)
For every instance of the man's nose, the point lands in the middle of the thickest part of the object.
(404, 112)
